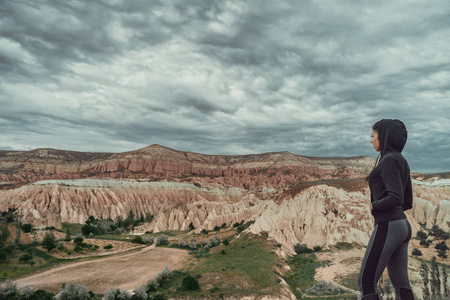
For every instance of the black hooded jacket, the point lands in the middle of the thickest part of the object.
(390, 181)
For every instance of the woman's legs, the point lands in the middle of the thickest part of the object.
(381, 251)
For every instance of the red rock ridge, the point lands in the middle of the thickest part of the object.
(155, 162)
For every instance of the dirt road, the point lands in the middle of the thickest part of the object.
(124, 271)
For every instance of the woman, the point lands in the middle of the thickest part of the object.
(390, 195)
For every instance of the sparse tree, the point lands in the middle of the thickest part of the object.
(49, 242)
(424, 274)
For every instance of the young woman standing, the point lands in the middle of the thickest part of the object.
(391, 194)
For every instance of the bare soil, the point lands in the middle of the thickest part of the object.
(125, 271)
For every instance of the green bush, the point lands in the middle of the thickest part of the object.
(43, 295)
(108, 247)
(25, 258)
(137, 240)
(317, 248)
(302, 248)
(416, 252)
(226, 242)
(78, 240)
(189, 283)
(27, 228)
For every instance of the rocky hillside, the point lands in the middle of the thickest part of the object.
(156, 162)
(295, 199)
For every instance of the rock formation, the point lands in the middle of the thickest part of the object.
(315, 201)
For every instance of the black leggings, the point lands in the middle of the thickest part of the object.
(388, 247)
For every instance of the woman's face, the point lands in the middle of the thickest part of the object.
(375, 142)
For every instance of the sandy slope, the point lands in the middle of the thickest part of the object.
(125, 271)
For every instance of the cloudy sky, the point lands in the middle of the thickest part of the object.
(225, 77)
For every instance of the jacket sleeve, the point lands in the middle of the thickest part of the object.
(391, 176)
(407, 204)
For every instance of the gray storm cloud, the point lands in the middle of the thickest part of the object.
(225, 77)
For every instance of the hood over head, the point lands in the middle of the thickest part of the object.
(392, 135)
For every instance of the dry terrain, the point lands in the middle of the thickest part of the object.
(124, 271)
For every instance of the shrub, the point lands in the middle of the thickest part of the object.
(197, 276)
(416, 252)
(61, 248)
(141, 293)
(436, 231)
(25, 258)
(148, 240)
(162, 240)
(224, 225)
(192, 243)
(152, 285)
(27, 292)
(302, 248)
(216, 228)
(116, 294)
(204, 231)
(7, 289)
(189, 283)
(72, 291)
(137, 240)
(226, 242)
(215, 241)
(422, 235)
(164, 276)
(181, 243)
(78, 240)
(68, 237)
(425, 243)
(317, 248)
(441, 246)
(43, 295)
(223, 251)
(325, 288)
(78, 249)
(27, 228)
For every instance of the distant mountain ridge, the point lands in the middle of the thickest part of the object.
(157, 162)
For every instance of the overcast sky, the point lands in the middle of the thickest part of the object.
(225, 77)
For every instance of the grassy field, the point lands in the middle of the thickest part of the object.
(246, 268)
